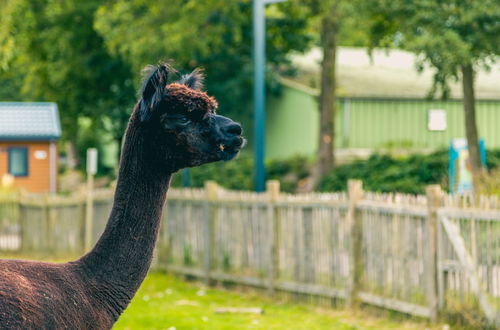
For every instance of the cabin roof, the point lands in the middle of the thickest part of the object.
(29, 121)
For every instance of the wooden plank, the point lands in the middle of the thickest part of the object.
(453, 234)
(262, 203)
(471, 214)
(308, 265)
(246, 280)
(315, 203)
(273, 191)
(396, 305)
(211, 189)
(441, 266)
(294, 287)
(450, 265)
(312, 289)
(200, 273)
(434, 201)
(418, 211)
(297, 248)
(355, 232)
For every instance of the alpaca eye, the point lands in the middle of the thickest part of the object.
(183, 120)
(175, 121)
(178, 120)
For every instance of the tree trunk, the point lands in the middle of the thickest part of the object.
(327, 102)
(70, 134)
(470, 122)
(72, 159)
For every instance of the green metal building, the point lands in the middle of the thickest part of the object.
(367, 118)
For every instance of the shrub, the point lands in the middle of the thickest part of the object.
(380, 172)
(238, 174)
(384, 173)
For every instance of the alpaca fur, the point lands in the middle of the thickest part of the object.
(172, 126)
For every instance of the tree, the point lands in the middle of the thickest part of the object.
(455, 37)
(330, 23)
(332, 15)
(214, 34)
(54, 47)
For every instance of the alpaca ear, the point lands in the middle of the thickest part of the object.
(153, 88)
(194, 80)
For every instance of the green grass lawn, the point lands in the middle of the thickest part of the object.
(166, 302)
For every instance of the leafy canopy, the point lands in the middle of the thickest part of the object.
(444, 34)
(214, 34)
(54, 49)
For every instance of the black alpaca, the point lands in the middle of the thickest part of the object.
(172, 126)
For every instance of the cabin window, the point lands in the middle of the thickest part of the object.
(18, 161)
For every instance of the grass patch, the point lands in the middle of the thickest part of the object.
(165, 302)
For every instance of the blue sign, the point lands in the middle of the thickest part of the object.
(460, 168)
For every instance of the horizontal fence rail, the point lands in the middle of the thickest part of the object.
(421, 255)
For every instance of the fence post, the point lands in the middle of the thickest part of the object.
(355, 191)
(89, 214)
(17, 206)
(273, 192)
(434, 202)
(211, 189)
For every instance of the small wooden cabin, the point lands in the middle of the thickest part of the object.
(28, 144)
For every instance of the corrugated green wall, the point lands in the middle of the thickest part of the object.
(292, 123)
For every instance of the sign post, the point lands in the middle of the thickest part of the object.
(89, 210)
(460, 169)
(259, 95)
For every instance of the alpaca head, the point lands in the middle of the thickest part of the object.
(181, 121)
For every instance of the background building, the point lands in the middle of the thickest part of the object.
(383, 103)
(28, 144)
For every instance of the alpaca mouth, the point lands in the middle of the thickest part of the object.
(230, 150)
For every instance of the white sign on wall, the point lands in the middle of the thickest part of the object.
(436, 120)
(40, 154)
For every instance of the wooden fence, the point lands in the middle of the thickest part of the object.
(42, 225)
(420, 255)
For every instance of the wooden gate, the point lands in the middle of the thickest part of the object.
(469, 261)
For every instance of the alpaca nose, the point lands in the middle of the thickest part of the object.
(233, 128)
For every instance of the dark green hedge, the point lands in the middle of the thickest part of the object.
(409, 174)
(380, 172)
(238, 173)
(384, 173)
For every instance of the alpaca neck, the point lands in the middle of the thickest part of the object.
(122, 256)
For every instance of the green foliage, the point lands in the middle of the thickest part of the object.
(238, 174)
(87, 138)
(353, 29)
(384, 173)
(10, 88)
(380, 172)
(86, 56)
(411, 174)
(444, 34)
(53, 50)
(213, 34)
(290, 172)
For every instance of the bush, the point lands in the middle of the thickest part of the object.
(238, 174)
(383, 173)
(380, 172)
